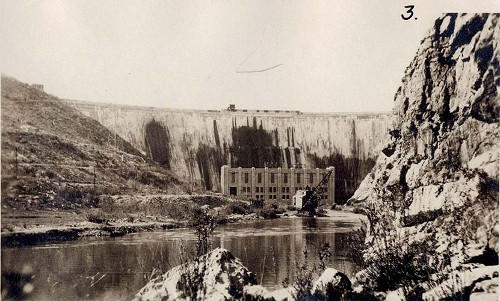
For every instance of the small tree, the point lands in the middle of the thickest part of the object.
(193, 271)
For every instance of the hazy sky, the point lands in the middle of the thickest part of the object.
(335, 56)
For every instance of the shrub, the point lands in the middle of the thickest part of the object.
(70, 194)
(305, 277)
(356, 242)
(192, 279)
(237, 208)
(50, 174)
(268, 213)
(98, 218)
(402, 266)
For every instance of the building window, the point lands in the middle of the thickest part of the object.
(256, 189)
(233, 177)
(270, 189)
(259, 178)
(298, 178)
(285, 178)
(272, 178)
(246, 177)
(282, 189)
(311, 178)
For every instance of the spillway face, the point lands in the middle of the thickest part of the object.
(196, 144)
(157, 142)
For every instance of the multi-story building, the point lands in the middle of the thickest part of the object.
(274, 183)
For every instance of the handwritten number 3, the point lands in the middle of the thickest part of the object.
(409, 12)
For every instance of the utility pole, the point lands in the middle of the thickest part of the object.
(94, 180)
(16, 161)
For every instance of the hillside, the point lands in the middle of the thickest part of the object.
(54, 157)
(432, 196)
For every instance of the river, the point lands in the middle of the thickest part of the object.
(105, 268)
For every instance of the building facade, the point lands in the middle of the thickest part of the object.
(274, 183)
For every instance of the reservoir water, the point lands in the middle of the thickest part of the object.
(105, 268)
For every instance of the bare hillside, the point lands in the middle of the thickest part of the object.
(55, 157)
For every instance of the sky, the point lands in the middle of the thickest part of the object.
(328, 56)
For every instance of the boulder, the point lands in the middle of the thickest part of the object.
(462, 283)
(260, 293)
(217, 275)
(331, 285)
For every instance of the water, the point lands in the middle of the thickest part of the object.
(104, 268)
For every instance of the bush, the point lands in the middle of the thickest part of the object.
(268, 213)
(356, 242)
(50, 174)
(191, 282)
(70, 194)
(238, 208)
(98, 218)
(402, 266)
(304, 279)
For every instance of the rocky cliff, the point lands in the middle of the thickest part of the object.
(195, 144)
(433, 193)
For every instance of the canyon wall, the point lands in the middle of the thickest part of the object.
(194, 144)
(434, 188)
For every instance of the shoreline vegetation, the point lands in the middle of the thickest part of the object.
(120, 215)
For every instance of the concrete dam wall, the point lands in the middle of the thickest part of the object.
(194, 144)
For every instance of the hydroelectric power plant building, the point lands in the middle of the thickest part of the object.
(274, 183)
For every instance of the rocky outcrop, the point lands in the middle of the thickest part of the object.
(436, 182)
(218, 275)
(195, 144)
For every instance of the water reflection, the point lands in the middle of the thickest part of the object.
(116, 268)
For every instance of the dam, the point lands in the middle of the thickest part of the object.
(195, 144)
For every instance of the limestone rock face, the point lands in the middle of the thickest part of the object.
(445, 118)
(438, 177)
(217, 275)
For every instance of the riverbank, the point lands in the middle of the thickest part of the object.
(121, 215)
(46, 234)
(118, 215)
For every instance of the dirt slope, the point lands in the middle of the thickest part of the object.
(52, 155)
